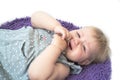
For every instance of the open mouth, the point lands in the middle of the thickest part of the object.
(69, 44)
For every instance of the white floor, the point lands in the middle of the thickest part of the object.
(102, 13)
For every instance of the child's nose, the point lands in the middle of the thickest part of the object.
(77, 41)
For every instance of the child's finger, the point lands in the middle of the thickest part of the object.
(68, 36)
(63, 35)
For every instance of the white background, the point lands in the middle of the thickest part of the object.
(102, 13)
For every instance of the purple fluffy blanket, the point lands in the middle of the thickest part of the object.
(101, 71)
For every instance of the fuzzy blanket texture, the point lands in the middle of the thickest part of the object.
(100, 71)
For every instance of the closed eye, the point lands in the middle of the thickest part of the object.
(78, 35)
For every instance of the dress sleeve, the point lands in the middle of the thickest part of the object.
(74, 68)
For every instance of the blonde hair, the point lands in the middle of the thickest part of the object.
(103, 45)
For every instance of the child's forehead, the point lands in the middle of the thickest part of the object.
(87, 30)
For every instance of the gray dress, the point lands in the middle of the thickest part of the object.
(19, 48)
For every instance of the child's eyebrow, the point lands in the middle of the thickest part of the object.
(78, 34)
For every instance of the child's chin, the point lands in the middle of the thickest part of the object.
(68, 50)
(68, 56)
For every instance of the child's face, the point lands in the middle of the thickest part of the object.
(81, 46)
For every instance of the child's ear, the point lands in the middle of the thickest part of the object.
(86, 62)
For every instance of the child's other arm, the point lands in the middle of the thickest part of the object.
(60, 72)
(44, 66)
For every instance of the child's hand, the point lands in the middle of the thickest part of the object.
(60, 30)
(59, 42)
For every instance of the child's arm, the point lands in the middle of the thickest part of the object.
(60, 72)
(44, 67)
(43, 20)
